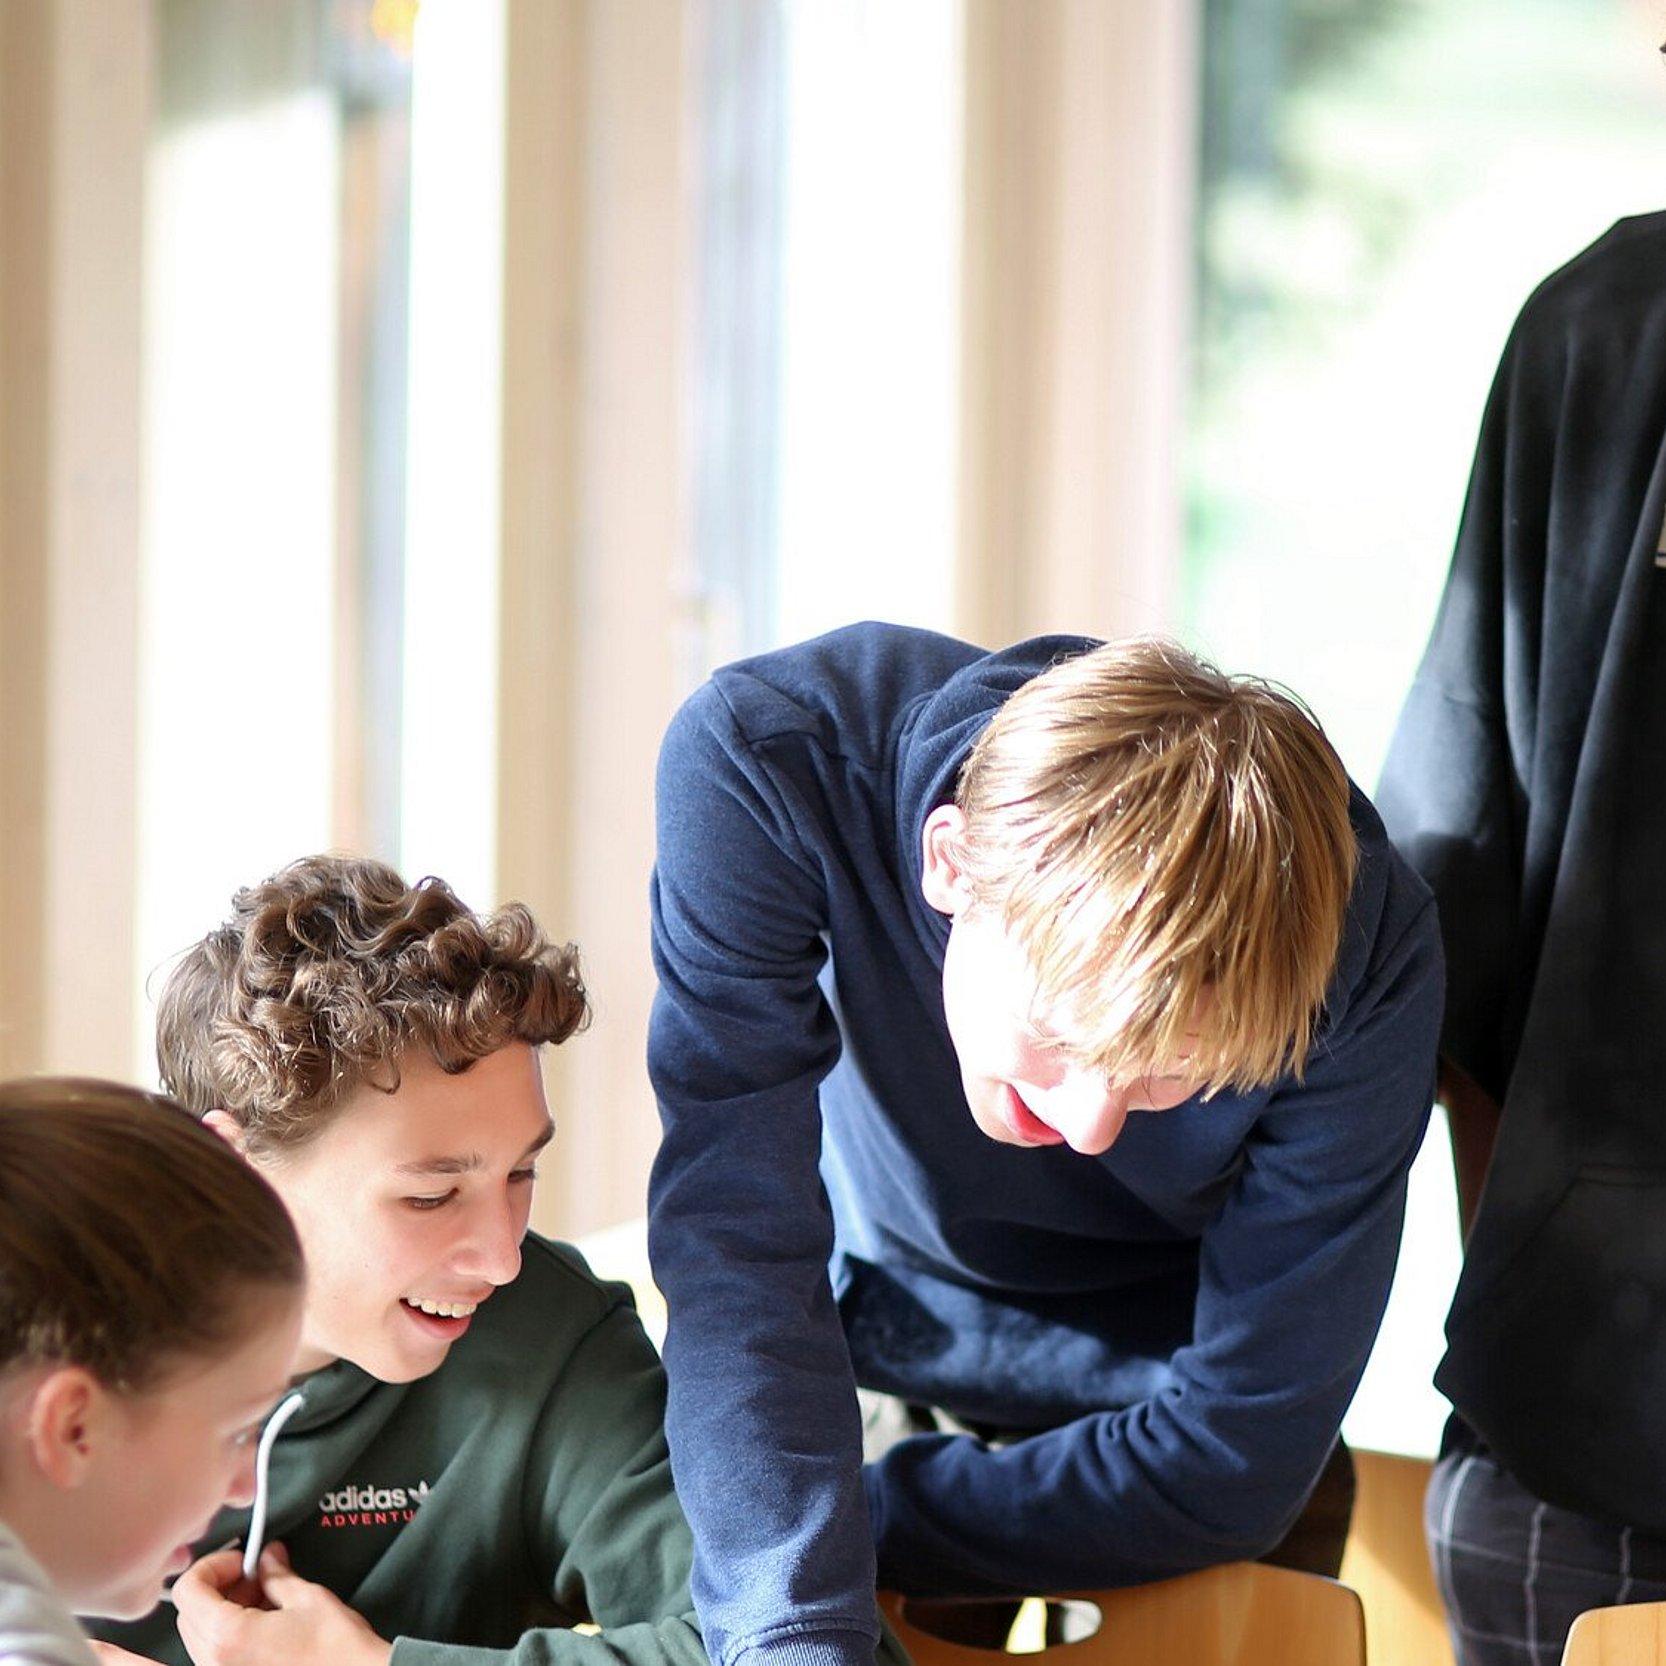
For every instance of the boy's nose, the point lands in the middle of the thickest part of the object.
(1089, 1112)
(493, 1251)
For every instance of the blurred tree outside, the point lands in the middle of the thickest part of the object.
(1383, 183)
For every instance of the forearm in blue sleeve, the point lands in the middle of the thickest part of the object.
(762, 1419)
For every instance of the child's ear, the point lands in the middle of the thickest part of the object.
(942, 879)
(227, 1127)
(68, 1420)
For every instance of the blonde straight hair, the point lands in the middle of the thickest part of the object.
(1171, 848)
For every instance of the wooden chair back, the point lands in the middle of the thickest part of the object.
(1634, 1635)
(1387, 1562)
(1242, 1614)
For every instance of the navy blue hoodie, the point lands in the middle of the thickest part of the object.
(1185, 1316)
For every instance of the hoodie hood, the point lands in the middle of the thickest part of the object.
(938, 733)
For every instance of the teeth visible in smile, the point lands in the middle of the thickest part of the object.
(442, 1310)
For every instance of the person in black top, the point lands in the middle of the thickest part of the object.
(1527, 784)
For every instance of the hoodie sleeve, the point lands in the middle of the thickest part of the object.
(602, 1527)
(763, 1420)
(1294, 1276)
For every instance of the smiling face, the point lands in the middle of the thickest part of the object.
(152, 1469)
(1023, 1084)
(411, 1207)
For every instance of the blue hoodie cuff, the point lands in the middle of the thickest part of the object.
(809, 1648)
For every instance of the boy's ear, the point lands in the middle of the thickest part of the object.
(67, 1419)
(943, 881)
(227, 1127)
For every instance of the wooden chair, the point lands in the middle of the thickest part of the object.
(1387, 1562)
(1243, 1614)
(1630, 1636)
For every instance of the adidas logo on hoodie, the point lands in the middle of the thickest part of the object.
(370, 1506)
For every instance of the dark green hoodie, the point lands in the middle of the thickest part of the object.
(477, 1514)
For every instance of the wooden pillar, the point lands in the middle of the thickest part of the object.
(594, 538)
(1079, 143)
(75, 83)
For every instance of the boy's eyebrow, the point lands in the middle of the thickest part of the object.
(468, 1161)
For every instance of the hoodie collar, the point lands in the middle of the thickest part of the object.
(331, 1392)
(937, 732)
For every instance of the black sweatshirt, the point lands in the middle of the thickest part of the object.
(1527, 783)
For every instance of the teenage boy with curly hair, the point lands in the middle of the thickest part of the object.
(479, 1464)
(935, 930)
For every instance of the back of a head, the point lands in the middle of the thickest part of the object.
(329, 971)
(1167, 843)
(131, 1237)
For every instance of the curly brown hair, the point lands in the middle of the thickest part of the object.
(329, 971)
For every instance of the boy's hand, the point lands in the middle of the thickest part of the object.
(113, 1654)
(300, 1624)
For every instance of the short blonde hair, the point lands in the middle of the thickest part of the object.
(1164, 842)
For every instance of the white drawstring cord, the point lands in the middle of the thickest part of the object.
(263, 1460)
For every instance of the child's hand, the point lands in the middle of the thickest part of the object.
(113, 1654)
(299, 1624)
(244, 1592)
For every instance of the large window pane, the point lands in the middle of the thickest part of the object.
(321, 456)
(827, 319)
